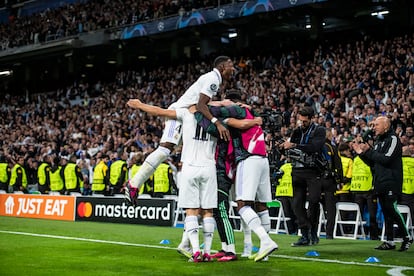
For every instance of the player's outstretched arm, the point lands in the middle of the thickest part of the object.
(244, 123)
(151, 109)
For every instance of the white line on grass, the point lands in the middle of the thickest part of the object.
(394, 270)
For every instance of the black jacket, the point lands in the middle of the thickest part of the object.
(385, 160)
(311, 140)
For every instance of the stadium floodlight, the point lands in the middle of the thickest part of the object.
(233, 35)
(6, 73)
(380, 13)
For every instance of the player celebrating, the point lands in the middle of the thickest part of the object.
(200, 93)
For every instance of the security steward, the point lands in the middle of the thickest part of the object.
(5, 173)
(284, 193)
(363, 193)
(43, 177)
(118, 174)
(18, 178)
(343, 193)
(55, 175)
(304, 148)
(331, 177)
(100, 180)
(163, 180)
(72, 176)
(407, 195)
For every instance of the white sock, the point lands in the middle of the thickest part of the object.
(149, 166)
(191, 227)
(247, 233)
(265, 219)
(185, 242)
(253, 221)
(208, 231)
(231, 248)
(224, 246)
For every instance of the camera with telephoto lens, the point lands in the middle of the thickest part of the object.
(301, 159)
(272, 120)
(278, 174)
(296, 155)
(367, 135)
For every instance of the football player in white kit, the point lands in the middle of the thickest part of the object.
(200, 92)
(198, 188)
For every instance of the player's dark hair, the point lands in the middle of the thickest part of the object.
(306, 111)
(219, 60)
(233, 94)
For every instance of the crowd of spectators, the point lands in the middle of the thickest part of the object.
(348, 85)
(73, 19)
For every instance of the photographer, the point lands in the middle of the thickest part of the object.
(385, 160)
(331, 178)
(304, 147)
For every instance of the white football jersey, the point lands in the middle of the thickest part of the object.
(199, 147)
(207, 84)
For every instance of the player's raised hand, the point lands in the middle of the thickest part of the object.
(134, 103)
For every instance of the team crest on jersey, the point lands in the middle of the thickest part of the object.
(213, 87)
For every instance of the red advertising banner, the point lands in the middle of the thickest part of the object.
(38, 206)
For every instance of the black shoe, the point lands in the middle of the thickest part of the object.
(407, 242)
(314, 237)
(303, 241)
(329, 237)
(385, 246)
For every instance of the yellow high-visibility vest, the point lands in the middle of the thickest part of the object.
(361, 176)
(285, 187)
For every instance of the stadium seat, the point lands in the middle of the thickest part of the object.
(280, 218)
(179, 213)
(406, 213)
(235, 216)
(357, 222)
(54, 193)
(75, 194)
(322, 219)
(3, 192)
(97, 195)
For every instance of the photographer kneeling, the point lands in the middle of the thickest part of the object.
(304, 148)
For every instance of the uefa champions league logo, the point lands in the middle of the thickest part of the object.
(221, 13)
(196, 18)
(137, 30)
(160, 26)
(259, 6)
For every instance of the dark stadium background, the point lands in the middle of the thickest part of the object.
(56, 64)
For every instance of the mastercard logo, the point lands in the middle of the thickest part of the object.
(84, 209)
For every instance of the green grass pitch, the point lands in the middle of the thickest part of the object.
(46, 247)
